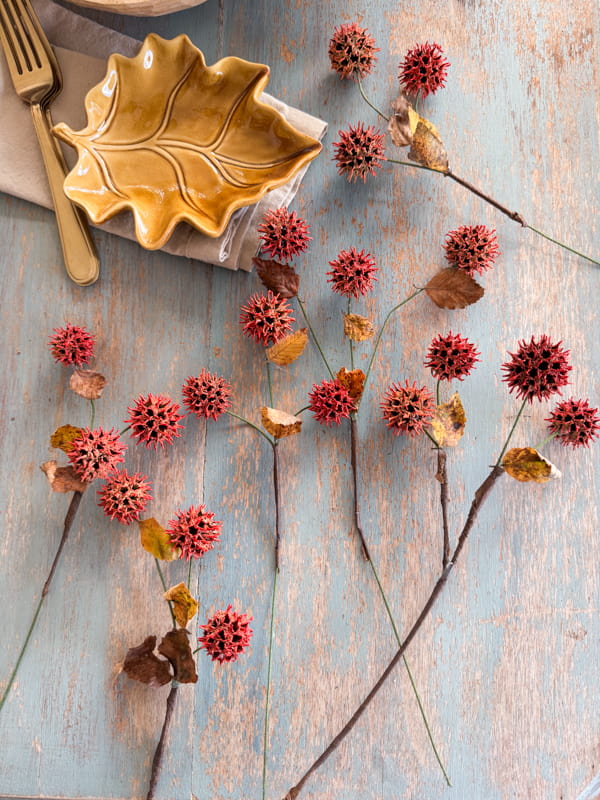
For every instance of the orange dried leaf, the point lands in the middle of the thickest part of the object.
(185, 607)
(278, 423)
(353, 381)
(453, 288)
(279, 278)
(358, 328)
(142, 664)
(62, 438)
(176, 647)
(62, 479)
(403, 122)
(448, 422)
(155, 540)
(427, 147)
(526, 464)
(87, 384)
(287, 350)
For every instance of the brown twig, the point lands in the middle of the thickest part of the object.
(276, 494)
(478, 500)
(70, 516)
(160, 747)
(354, 461)
(514, 215)
(442, 476)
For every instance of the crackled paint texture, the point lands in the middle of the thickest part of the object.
(507, 664)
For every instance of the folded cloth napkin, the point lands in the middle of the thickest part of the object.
(23, 173)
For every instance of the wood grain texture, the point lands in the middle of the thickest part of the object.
(507, 663)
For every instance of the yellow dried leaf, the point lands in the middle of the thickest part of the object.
(279, 423)
(403, 122)
(427, 147)
(287, 350)
(62, 479)
(87, 384)
(453, 288)
(185, 607)
(62, 438)
(156, 541)
(358, 328)
(353, 381)
(526, 464)
(448, 422)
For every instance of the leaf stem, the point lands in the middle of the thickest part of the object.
(267, 699)
(368, 102)
(269, 381)
(442, 477)
(70, 516)
(164, 585)
(93, 413)
(251, 425)
(314, 335)
(160, 747)
(437, 392)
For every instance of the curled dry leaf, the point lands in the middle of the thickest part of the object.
(287, 350)
(185, 607)
(142, 664)
(453, 288)
(87, 384)
(526, 464)
(279, 278)
(427, 147)
(448, 422)
(278, 423)
(155, 540)
(176, 647)
(353, 381)
(403, 122)
(62, 479)
(62, 438)
(358, 328)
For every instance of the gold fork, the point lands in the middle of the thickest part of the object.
(37, 80)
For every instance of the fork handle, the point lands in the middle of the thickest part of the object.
(79, 251)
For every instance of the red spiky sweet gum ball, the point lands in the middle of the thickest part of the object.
(266, 318)
(352, 51)
(124, 497)
(424, 69)
(72, 345)
(451, 356)
(154, 420)
(539, 369)
(194, 531)
(96, 453)
(207, 395)
(472, 248)
(574, 423)
(407, 408)
(331, 402)
(359, 152)
(352, 273)
(226, 635)
(283, 234)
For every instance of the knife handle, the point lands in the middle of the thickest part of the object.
(79, 251)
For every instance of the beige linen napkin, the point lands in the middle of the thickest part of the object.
(22, 171)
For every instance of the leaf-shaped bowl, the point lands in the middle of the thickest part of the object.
(174, 140)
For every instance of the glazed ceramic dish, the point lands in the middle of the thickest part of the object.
(139, 8)
(174, 140)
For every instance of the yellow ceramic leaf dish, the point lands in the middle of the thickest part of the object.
(174, 140)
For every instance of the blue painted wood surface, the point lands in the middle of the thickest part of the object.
(507, 664)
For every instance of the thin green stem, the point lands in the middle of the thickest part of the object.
(93, 414)
(437, 392)
(381, 330)
(189, 580)
(305, 408)
(314, 336)
(269, 382)
(546, 440)
(368, 102)
(267, 704)
(510, 433)
(250, 424)
(413, 164)
(164, 585)
(128, 428)
(564, 246)
(350, 342)
(431, 438)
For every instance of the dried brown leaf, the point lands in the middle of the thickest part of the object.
(453, 288)
(62, 479)
(353, 381)
(62, 438)
(526, 464)
(142, 664)
(448, 422)
(279, 423)
(176, 647)
(358, 328)
(279, 278)
(185, 607)
(403, 122)
(427, 147)
(87, 384)
(287, 350)
(155, 540)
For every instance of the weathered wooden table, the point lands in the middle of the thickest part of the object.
(507, 663)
